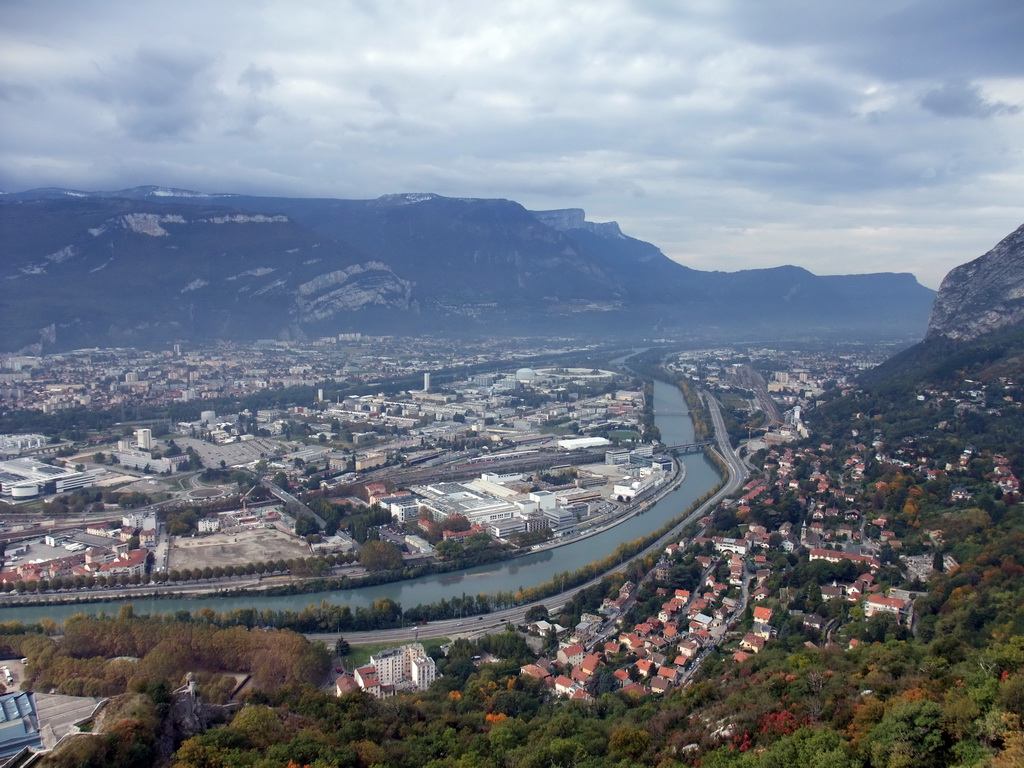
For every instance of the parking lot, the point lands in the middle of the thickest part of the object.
(232, 454)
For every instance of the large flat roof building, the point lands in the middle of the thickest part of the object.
(19, 723)
(447, 499)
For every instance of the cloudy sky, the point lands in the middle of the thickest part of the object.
(838, 136)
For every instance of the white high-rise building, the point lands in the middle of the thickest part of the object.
(144, 439)
(426, 381)
(395, 669)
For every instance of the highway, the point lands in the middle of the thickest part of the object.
(292, 504)
(738, 473)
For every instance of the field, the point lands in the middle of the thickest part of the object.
(235, 548)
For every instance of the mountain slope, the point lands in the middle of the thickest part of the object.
(976, 329)
(984, 295)
(117, 272)
(146, 265)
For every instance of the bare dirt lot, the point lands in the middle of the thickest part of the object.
(235, 548)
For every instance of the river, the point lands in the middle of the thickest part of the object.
(672, 418)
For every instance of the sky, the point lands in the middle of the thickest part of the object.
(843, 137)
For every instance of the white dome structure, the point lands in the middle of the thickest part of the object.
(526, 374)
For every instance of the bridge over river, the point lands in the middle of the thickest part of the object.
(689, 447)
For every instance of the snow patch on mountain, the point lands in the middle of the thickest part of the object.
(195, 285)
(149, 223)
(166, 192)
(65, 253)
(257, 272)
(242, 218)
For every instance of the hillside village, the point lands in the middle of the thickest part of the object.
(828, 543)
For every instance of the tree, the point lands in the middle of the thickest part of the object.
(449, 549)
(477, 542)
(306, 526)
(910, 734)
(629, 743)
(537, 613)
(379, 556)
(341, 647)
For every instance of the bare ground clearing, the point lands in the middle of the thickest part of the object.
(235, 548)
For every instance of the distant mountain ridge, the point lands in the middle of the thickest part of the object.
(149, 265)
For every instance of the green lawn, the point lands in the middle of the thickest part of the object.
(360, 654)
(180, 483)
(623, 434)
(557, 430)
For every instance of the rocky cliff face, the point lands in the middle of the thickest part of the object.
(982, 296)
(350, 290)
(566, 219)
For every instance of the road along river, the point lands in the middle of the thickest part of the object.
(672, 418)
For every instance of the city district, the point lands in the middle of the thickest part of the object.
(504, 458)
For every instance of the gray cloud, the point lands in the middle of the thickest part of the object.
(155, 94)
(730, 134)
(904, 39)
(258, 79)
(956, 99)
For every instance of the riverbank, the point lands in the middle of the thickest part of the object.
(297, 585)
(499, 582)
(638, 507)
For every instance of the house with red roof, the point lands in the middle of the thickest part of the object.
(590, 663)
(366, 678)
(535, 671)
(571, 654)
(345, 684)
(669, 673)
(132, 562)
(632, 641)
(878, 604)
(565, 686)
(580, 675)
(752, 642)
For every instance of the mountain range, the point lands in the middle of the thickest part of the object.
(150, 265)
